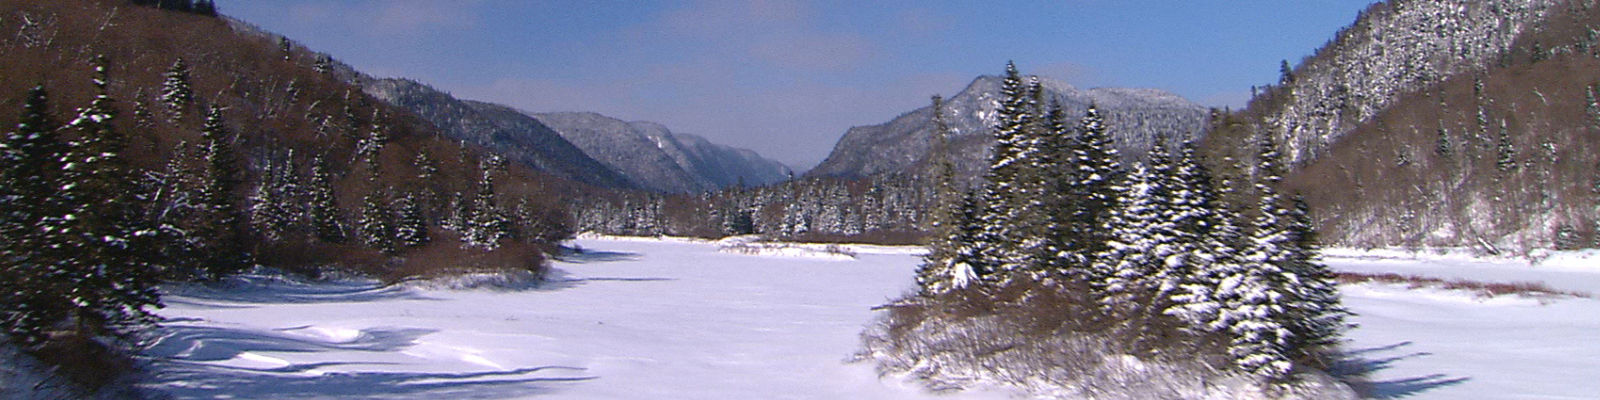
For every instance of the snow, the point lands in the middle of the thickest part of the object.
(1441, 344)
(628, 318)
(674, 318)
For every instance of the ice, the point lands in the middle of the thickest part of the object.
(673, 318)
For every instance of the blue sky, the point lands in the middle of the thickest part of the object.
(786, 78)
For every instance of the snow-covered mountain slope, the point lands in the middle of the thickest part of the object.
(656, 158)
(507, 132)
(1136, 117)
(668, 318)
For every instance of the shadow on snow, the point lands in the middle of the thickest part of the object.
(179, 355)
(1364, 362)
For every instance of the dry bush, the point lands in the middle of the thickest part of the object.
(1482, 289)
(446, 256)
(1052, 342)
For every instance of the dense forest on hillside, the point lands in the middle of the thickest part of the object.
(186, 148)
(1480, 134)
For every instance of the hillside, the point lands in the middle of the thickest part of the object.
(1503, 159)
(280, 108)
(1453, 124)
(505, 131)
(656, 158)
(1137, 117)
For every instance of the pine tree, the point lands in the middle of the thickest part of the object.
(1505, 150)
(108, 241)
(946, 197)
(376, 223)
(1095, 170)
(370, 146)
(1591, 106)
(486, 225)
(1316, 316)
(1254, 305)
(175, 90)
(1004, 194)
(1136, 248)
(412, 228)
(272, 213)
(217, 219)
(966, 262)
(1217, 260)
(322, 213)
(33, 278)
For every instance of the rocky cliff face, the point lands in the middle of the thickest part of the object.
(655, 158)
(1136, 116)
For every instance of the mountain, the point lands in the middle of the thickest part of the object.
(655, 158)
(1136, 116)
(510, 133)
(1442, 124)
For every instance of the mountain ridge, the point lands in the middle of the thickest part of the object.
(657, 158)
(903, 144)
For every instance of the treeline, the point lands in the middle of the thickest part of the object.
(889, 209)
(1144, 260)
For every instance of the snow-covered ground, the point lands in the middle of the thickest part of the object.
(1438, 344)
(679, 319)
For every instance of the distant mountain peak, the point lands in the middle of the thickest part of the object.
(656, 158)
(1137, 117)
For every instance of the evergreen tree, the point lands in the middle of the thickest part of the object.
(375, 225)
(175, 90)
(1139, 242)
(1505, 150)
(412, 228)
(1444, 147)
(1316, 316)
(946, 197)
(370, 146)
(965, 262)
(1255, 309)
(272, 212)
(1217, 260)
(107, 242)
(1591, 106)
(217, 219)
(1004, 195)
(322, 213)
(33, 278)
(486, 225)
(1095, 170)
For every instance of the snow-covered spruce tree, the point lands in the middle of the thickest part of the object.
(175, 90)
(411, 230)
(1138, 244)
(33, 276)
(376, 225)
(966, 262)
(107, 242)
(1317, 315)
(1095, 170)
(1004, 192)
(272, 209)
(1259, 301)
(217, 216)
(322, 213)
(1215, 239)
(370, 146)
(486, 224)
